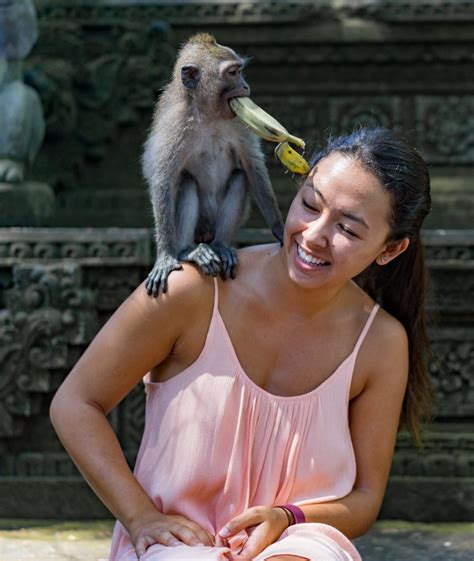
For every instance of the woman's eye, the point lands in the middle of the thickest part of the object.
(308, 206)
(348, 231)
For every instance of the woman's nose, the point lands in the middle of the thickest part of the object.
(316, 233)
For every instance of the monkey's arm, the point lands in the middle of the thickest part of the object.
(162, 164)
(260, 186)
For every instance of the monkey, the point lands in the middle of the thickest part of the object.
(200, 162)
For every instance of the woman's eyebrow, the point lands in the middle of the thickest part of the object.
(349, 215)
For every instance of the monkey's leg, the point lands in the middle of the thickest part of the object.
(163, 201)
(232, 213)
(204, 256)
(187, 215)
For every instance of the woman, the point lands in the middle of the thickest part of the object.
(283, 386)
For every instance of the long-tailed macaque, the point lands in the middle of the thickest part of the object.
(200, 161)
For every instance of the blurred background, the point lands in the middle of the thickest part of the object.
(78, 81)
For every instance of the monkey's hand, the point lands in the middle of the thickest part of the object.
(158, 277)
(228, 257)
(277, 231)
(203, 256)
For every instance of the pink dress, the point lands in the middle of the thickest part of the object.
(215, 444)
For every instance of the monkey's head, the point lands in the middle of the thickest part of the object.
(211, 75)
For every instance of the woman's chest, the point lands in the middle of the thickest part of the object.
(287, 357)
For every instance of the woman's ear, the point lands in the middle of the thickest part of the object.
(392, 250)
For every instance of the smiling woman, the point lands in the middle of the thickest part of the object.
(273, 400)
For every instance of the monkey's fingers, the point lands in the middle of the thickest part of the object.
(229, 261)
(168, 269)
(164, 281)
(150, 284)
(208, 260)
(155, 286)
(158, 277)
(233, 266)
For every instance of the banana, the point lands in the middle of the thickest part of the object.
(291, 159)
(262, 124)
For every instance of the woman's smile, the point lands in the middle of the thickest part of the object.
(309, 261)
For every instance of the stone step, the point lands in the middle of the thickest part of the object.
(42, 540)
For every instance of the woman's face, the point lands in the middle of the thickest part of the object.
(337, 224)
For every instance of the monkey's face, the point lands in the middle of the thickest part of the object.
(213, 83)
(233, 85)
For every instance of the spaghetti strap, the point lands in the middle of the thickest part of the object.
(366, 328)
(215, 307)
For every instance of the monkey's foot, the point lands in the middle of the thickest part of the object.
(158, 277)
(204, 256)
(228, 257)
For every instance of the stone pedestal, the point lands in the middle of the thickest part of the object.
(26, 204)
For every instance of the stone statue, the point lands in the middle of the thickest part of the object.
(21, 120)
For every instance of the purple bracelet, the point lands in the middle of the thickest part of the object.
(296, 511)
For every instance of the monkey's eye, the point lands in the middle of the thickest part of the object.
(234, 71)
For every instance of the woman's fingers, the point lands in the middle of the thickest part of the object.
(250, 517)
(159, 536)
(204, 536)
(256, 543)
(192, 536)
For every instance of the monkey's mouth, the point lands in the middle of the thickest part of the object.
(227, 96)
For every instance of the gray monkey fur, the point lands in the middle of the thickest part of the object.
(199, 164)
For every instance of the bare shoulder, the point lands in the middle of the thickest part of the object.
(189, 291)
(385, 351)
(388, 329)
(140, 334)
(253, 253)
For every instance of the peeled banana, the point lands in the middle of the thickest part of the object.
(262, 124)
(291, 159)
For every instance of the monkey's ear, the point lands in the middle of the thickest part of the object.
(190, 75)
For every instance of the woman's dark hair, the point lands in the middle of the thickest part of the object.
(400, 286)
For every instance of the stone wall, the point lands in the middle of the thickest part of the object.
(320, 67)
(57, 286)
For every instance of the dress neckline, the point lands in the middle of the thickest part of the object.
(243, 374)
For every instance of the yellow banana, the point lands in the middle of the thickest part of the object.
(262, 124)
(291, 159)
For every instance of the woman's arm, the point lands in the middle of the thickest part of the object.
(140, 334)
(374, 419)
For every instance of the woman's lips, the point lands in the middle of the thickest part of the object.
(309, 261)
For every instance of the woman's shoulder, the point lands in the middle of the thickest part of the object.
(189, 292)
(254, 251)
(388, 330)
(385, 327)
(385, 352)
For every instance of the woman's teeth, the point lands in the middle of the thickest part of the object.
(309, 259)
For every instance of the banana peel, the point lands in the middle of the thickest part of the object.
(262, 124)
(291, 159)
(268, 128)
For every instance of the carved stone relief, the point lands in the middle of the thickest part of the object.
(445, 128)
(47, 312)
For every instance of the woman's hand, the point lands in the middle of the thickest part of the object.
(170, 530)
(264, 525)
